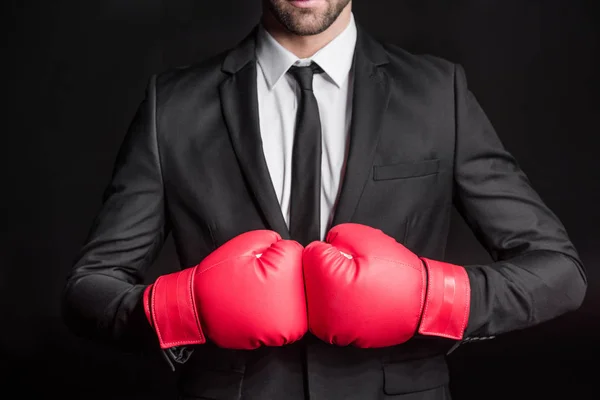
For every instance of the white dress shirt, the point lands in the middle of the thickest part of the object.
(278, 95)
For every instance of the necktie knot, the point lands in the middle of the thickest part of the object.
(304, 75)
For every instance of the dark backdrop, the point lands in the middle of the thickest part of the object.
(75, 71)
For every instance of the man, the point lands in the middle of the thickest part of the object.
(307, 177)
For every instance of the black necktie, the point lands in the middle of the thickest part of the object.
(305, 199)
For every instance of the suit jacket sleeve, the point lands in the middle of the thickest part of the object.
(536, 274)
(101, 299)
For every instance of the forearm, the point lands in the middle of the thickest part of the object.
(102, 295)
(536, 274)
(523, 291)
(104, 308)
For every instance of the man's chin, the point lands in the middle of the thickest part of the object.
(306, 29)
(302, 21)
(301, 24)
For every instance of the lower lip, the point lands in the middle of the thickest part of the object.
(305, 3)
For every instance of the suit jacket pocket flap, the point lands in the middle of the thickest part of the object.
(415, 376)
(405, 170)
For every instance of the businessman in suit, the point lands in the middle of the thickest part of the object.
(328, 162)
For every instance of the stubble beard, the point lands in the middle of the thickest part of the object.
(306, 22)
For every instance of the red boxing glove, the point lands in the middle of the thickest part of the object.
(364, 288)
(247, 293)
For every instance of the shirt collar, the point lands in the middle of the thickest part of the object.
(335, 58)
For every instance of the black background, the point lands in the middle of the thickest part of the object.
(74, 72)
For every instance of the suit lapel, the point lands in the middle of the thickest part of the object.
(369, 104)
(239, 99)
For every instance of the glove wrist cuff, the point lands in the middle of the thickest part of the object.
(171, 310)
(447, 303)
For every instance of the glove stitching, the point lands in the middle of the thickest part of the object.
(224, 261)
(193, 305)
(395, 262)
(156, 324)
(467, 302)
(465, 313)
(200, 333)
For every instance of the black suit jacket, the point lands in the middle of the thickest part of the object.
(192, 165)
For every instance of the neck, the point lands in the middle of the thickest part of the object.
(305, 46)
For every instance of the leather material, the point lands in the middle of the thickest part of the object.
(363, 288)
(246, 294)
(448, 300)
(171, 310)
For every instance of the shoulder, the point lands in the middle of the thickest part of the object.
(181, 82)
(423, 70)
